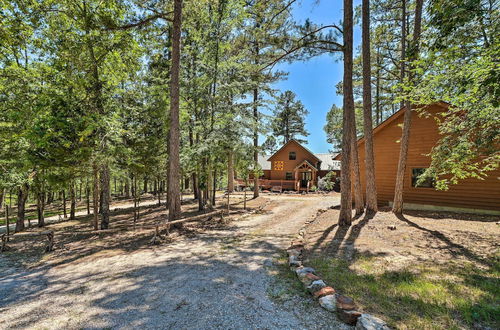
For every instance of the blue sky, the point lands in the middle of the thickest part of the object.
(314, 81)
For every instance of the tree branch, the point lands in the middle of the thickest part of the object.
(142, 22)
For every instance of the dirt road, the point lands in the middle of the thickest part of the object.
(217, 280)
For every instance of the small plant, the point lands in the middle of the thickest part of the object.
(313, 188)
(328, 182)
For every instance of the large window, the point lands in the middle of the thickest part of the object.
(415, 173)
(292, 155)
(289, 176)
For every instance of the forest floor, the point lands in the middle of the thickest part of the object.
(208, 275)
(425, 270)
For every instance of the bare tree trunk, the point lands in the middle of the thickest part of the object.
(214, 187)
(87, 195)
(64, 204)
(2, 196)
(105, 195)
(174, 205)
(345, 214)
(73, 201)
(255, 143)
(403, 46)
(377, 92)
(397, 207)
(7, 221)
(22, 196)
(359, 204)
(95, 196)
(371, 189)
(230, 172)
(127, 188)
(40, 207)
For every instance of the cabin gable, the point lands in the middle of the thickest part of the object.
(282, 164)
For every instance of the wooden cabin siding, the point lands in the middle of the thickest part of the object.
(468, 193)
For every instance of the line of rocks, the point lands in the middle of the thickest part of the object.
(327, 297)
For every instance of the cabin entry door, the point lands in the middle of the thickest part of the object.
(305, 177)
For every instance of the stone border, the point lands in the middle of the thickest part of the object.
(328, 298)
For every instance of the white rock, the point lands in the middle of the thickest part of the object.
(316, 286)
(294, 252)
(294, 261)
(328, 302)
(303, 271)
(370, 322)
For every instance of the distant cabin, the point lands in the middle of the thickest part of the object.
(469, 195)
(294, 167)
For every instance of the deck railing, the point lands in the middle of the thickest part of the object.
(268, 184)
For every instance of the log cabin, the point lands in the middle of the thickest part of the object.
(469, 195)
(294, 167)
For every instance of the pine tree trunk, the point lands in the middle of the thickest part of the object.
(87, 195)
(95, 196)
(73, 201)
(345, 214)
(174, 200)
(377, 92)
(230, 172)
(371, 189)
(403, 47)
(2, 196)
(359, 204)
(105, 195)
(22, 196)
(40, 207)
(127, 188)
(255, 144)
(50, 197)
(64, 204)
(397, 207)
(214, 187)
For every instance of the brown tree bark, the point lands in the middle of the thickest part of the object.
(95, 196)
(403, 46)
(255, 143)
(174, 199)
(345, 214)
(230, 172)
(72, 197)
(371, 189)
(22, 196)
(40, 202)
(87, 195)
(359, 204)
(397, 206)
(2, 196)
(105, 195)
(64, 204)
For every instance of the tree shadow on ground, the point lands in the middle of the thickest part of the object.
(162, 287)
(452, 247)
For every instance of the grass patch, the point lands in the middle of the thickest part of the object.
(285, 283)
(424, 296)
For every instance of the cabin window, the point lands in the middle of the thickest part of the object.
(415, 173)
(289, 176)
(292, 155)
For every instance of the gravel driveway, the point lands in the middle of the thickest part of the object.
(217, 280)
